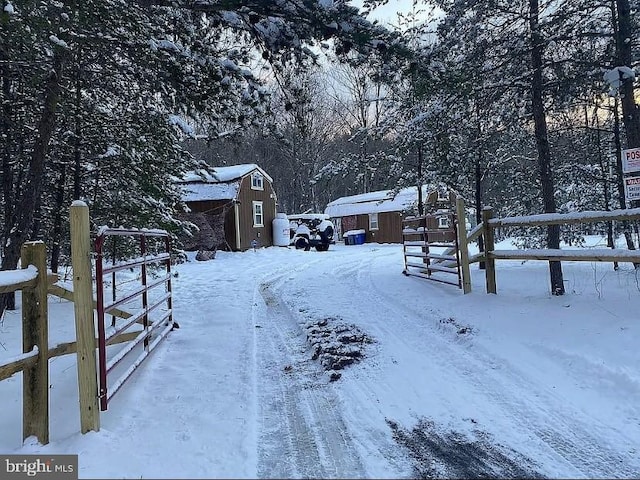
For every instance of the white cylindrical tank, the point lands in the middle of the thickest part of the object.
(281, 230)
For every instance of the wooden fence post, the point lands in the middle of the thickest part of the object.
(463, 245)
(83, 306)
(35, 333)
(489, 246)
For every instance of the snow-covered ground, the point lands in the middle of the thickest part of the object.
(515, 384)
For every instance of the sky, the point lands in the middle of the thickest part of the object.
(387, 13)
(520, 383)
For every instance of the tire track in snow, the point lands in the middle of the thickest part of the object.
(303, 434)
(563, 429)
(371, 437)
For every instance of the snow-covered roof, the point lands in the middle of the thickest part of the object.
(222, 184)
(375, 202)
(223, 174)
(197, 192)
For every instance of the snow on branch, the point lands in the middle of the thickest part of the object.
(616, 76)
(181, 124)
(59, 42)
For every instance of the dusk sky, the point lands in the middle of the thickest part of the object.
(387, 13)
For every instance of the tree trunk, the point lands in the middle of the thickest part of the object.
(630, 111)
(542, 144)
(36, 225)
(626, 226)
(56, 236)
(605, 168)
(25, 204)
(5, 124)
(8, 299)
(420, 199)
(478, 186)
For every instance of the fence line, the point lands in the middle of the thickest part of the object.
(35, 284)
(489, 224)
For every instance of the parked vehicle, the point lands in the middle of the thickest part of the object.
(311, 230)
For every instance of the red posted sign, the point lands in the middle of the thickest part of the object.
(632, 188)
(631, 160)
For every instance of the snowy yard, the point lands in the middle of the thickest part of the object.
(449, 385)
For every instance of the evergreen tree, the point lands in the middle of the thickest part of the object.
(109, 86)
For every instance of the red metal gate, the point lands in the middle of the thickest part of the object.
(164, 324)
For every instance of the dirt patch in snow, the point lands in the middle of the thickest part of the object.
(450, 324)
(335, 344)
(438, 453)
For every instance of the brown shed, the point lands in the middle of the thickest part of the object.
(233, 207)
(380, 214)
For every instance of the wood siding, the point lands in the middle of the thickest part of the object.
(390, 228)
(437, 234)
(246, 197)
(264, 235)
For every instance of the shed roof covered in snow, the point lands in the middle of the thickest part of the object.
(223, 174)
(198, 192)
(222, 184)
(376, 202)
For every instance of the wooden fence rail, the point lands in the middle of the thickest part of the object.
(34, 363)
(489, 224)
(35, 284)
(16, 364)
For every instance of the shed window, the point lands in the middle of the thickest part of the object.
(258, 217)
(373, 221)
(257, 181)
(443, 222)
